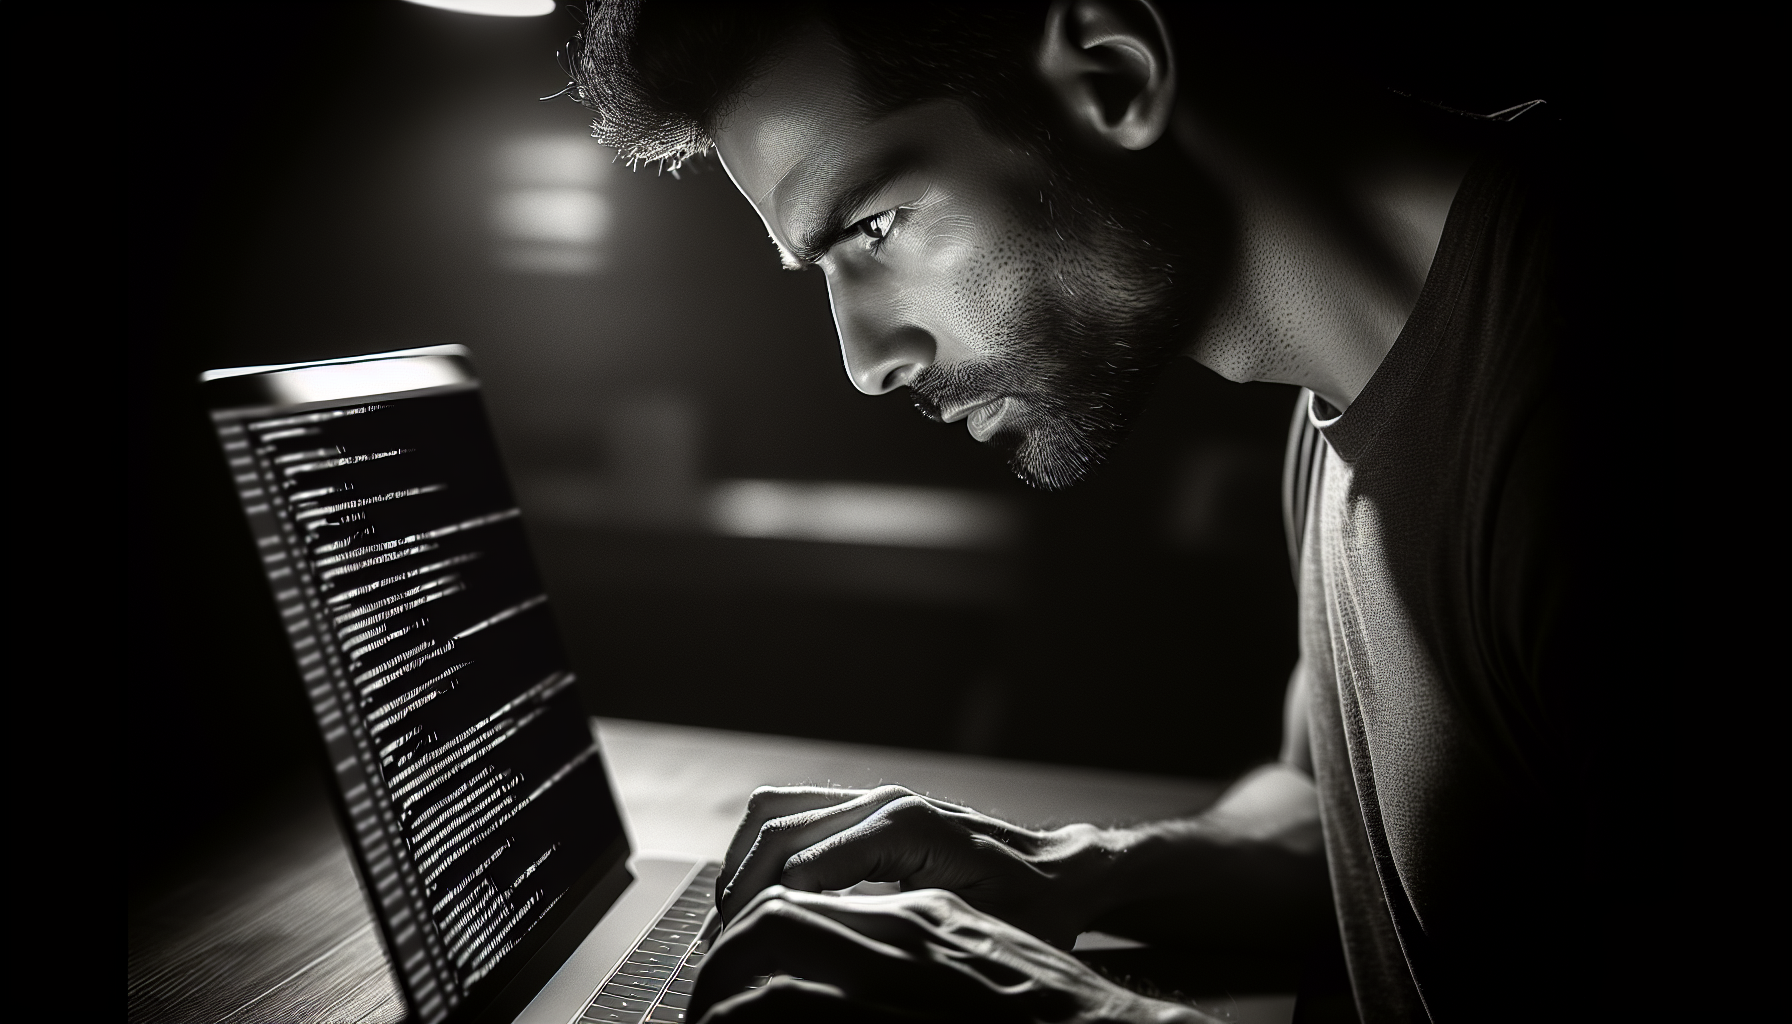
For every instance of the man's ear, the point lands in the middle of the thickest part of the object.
(1110, 63)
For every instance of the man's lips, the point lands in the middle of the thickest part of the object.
(982, 419)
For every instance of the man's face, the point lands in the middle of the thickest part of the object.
(1002, 290)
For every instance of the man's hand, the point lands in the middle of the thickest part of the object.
(812, 839)
(912, 956)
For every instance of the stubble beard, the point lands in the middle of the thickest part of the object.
(1105, 313)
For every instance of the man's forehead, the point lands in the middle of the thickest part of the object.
(790, 135)
(790, 156)
(793, 179)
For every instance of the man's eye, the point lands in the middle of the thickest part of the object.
(876, 227)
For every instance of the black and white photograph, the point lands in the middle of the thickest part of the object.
(1061, 511)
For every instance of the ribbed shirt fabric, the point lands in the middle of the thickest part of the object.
(1431, 585)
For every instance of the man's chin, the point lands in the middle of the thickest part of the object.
(1046, 445)
(1045, 459)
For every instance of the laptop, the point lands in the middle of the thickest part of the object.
(467, 775)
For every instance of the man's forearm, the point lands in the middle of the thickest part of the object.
(1248, 872)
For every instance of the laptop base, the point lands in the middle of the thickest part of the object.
(658, 883)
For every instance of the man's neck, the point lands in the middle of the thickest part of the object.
(1331, 248)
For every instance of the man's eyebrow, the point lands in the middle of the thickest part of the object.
(812, 244)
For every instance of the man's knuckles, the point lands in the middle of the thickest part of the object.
(901, 807)
(918, 911)
(770, 893)
(783, 810)
(769, 802)
(780, 912)
(763, 795)
(772, 830)
(889, 792)
(909, 808)
(936, 906)
(766, 796)
(775, 919)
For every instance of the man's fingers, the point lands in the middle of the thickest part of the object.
(777, 936)
(887, 952)
(891, 844)
(780, 837)
(786, 1000)
(768, 802)
(903, 920)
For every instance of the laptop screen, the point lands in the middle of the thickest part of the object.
(475, 793)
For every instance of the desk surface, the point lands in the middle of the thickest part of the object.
(272, 926)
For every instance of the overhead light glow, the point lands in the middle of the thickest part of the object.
(493, 8)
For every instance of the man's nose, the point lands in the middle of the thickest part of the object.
(882, 352)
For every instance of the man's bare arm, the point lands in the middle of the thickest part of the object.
(1249, 871)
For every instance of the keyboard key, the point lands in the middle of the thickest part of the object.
(630, 992)
(621, 1003)
(634, 988)
(687, 973)
(678, 924)
(645, 972)
(671, 963)
(693, 916)
(683, 988)
(668, 1014)
(701, 947)
(693, 959)
(651, 945)
(675, 999)
(605, 1015)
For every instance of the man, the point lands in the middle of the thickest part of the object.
(1022, 214)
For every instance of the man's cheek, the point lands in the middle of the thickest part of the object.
(948, 276)
(948, 249)
(998, 303)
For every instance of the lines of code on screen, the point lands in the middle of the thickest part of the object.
(399, 564)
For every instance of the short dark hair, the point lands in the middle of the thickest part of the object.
(660, 75)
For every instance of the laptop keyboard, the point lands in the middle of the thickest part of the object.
(654, 982)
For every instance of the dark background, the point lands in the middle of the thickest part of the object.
(315, 180)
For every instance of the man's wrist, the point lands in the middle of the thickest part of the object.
(1138, 1009)
(1089, 873)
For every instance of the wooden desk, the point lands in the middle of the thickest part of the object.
(272, 927)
